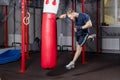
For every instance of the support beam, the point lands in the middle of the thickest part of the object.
(23, 64)
(27, 36)
(6, 27)
(73, 6)
(83, 48)
(97, 27)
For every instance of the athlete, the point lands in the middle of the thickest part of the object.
(82, 25)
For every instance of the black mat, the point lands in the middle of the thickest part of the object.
(99, 67)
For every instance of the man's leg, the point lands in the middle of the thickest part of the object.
(77, 54)
(81, 41)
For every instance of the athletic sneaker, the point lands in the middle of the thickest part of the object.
(70, 65)
(93, 35)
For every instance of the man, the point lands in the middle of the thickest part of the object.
(82, 23)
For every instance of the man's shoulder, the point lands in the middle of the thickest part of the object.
(86, 14)
(83, 14)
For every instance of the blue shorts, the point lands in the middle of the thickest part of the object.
(81, 39)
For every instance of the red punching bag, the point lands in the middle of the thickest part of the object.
(49, 34)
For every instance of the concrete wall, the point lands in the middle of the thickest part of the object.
(34, 26)
(110, 40)
(64, 27)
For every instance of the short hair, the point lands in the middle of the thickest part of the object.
(69, 11)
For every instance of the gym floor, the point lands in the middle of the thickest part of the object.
(98, 67)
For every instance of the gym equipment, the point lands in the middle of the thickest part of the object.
(26, 20)
(9, 55)
(49, 34)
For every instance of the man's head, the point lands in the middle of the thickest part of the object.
(70, 14)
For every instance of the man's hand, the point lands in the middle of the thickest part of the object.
(78, 27)
(75, 29)
(57, 18)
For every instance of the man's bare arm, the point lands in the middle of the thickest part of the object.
(87, 25)
(61, 16)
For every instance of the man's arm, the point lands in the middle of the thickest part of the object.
(61, 16)
(87, 25)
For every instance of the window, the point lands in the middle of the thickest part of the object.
(110, 12)
(119, 11)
